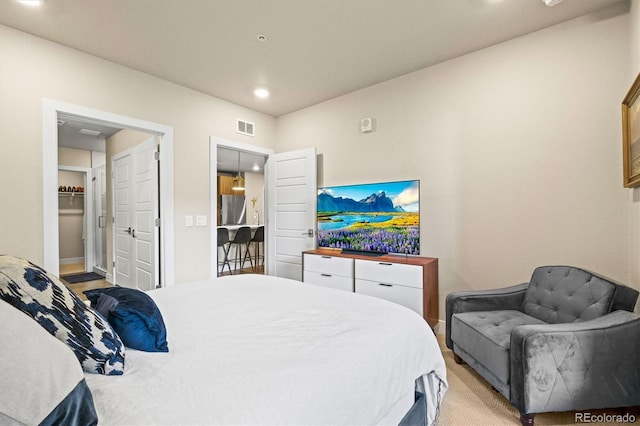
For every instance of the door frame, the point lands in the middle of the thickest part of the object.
(214, 143)
(89, 249)
(50, 110)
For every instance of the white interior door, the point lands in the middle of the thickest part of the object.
(145, 211)
(135, 174)
(291, 209)
(122, 167)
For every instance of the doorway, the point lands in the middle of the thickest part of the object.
(289, 205)
(229, 160)
(81, 190)
(53, 111)
(75, 240)
(240, 203)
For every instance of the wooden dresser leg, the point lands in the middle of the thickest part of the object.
(457, 359)
(526, 419)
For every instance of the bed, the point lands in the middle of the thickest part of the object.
(252, 349)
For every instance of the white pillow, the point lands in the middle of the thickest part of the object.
(37, 371)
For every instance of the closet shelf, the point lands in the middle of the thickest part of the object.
(67, 212)
(71, 194)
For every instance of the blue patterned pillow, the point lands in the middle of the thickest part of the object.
(133, 315)
(45, 299)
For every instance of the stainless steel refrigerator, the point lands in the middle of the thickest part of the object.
(233, 210)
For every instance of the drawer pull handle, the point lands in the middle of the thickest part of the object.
(385, 263)
(326, 275)
(386, 285)
(326, 257)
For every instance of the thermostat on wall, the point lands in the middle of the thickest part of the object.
(366, 125)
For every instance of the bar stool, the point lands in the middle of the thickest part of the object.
(258, 238)
(242, 238)
(223, 241)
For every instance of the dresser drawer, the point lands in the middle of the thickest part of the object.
(389, 273)
(405, 296)
(327, 280)
(328, 265)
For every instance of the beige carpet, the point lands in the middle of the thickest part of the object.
(471, 401)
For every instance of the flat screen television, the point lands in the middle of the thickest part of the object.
(371, 218)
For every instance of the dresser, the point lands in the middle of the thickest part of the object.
(410, 281)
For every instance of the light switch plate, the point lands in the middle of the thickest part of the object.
(201, 220)
(189, 221)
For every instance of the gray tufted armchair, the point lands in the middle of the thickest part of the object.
(566, 340)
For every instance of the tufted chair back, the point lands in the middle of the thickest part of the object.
(562, 294)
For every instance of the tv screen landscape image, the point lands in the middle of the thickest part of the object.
(370, 218)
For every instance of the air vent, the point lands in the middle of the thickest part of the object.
(245, 128)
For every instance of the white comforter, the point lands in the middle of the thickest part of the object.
(253, 349)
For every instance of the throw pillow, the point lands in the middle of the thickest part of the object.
(45, 299)
(133, 315)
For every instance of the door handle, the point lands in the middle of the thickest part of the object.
(133, 233)
(128, 231)
(309, 233)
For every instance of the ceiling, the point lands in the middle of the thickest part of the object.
(81, 133)
(228, 160)
(314, 50)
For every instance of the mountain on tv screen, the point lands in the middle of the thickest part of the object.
(374, 217)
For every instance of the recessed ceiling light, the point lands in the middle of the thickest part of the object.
(31, 2)
(89, 132)
(261, 93)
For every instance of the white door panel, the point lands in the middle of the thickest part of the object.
(291, 194)
(292, 197)
(288, 270)
(136, 207)
(145, 208)
(291, 221)
(289, 246)
(124, 246)
(291, 167)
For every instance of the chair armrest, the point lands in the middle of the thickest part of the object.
(576, 366)
(508, 298)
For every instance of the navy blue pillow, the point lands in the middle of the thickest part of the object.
(133, 315)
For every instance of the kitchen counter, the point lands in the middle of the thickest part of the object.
(236, 227)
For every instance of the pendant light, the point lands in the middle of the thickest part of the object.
(238, 181)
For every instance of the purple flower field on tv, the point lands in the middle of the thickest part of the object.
(386, 240)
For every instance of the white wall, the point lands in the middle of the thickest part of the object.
(32, 69)
(518, 149)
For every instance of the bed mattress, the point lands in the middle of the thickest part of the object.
(252, 349)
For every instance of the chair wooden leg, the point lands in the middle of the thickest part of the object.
(457, 359)
(526, 419)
